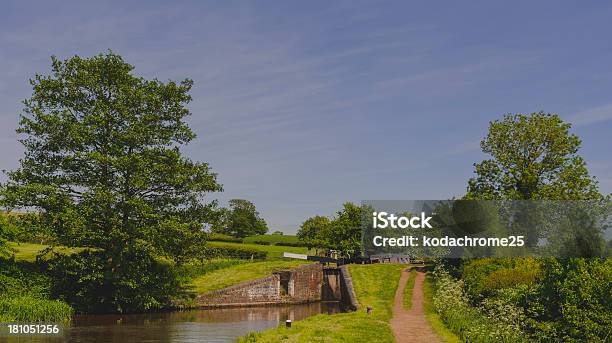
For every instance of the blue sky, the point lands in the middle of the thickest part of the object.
(300, 106)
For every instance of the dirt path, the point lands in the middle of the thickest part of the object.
(411, 325)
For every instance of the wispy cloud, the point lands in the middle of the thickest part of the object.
(592, 115)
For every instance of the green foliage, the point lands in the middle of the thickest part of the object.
(432, 316)
(534, 157)
(484, 277)
(103, 166)
(30, 309)
(22, 278)
(495, 321)
(576, 296)
(343, 232)
(91, 284)
(5, 250)
(24, 294)
(240, 220)
(24, 227)
(313, 232)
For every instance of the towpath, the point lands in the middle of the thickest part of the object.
(411, 326)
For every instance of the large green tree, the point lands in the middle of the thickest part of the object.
(104, 166)
(314, 231)
(242, 220)
(533, 156)
(343, 232)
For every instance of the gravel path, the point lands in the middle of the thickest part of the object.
(411, 325)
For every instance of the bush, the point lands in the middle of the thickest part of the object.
(576, 296)
(495, 321)
(24, 293)
(484, 277)
(24, 227)
(219, 237)
(22, 278)
(262, 243)
(134, 282)
(235, 252)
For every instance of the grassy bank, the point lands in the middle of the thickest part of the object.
(28, 251)
(272, 239)
(236, 273)
(432, 317)
(25, 296)
(273, 251)
(30, 309)
(375, 286)
(408, 290)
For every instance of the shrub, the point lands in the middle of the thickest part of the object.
(484, 277)
(22, 278)
(576, 296)
(24, 227)
(23, 295)
(135, 282)
(494, 321)
(262, 243)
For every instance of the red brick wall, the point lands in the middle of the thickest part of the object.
(304, 285)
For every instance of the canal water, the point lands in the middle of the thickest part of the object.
(210, 325)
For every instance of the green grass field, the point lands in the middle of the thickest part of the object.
(272, 239)
(28, 251)
(274, 252)
(237, 273)
(375, 286)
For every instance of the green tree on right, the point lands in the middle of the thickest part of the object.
(534, 156)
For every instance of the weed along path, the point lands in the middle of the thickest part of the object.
(411, 325)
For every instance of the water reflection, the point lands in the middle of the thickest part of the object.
(213, 325)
